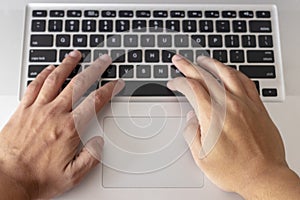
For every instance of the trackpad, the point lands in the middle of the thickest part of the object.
(147, 152)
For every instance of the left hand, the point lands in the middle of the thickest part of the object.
(38, 146)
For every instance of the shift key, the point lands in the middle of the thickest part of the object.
(260, 56)
(42, 55)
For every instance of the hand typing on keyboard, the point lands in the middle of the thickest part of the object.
(249, 156)
(38, 146)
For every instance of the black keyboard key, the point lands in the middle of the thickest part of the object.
(41, 40)
(72, 25)
(57, 13)
(79, 40)
(212, 14)
(175, 72)
(260, 56)
(126, 71)
(161, 71)
(62, 40)
(139, 25)
(74, 13)
(177, 14)
(167, 55)
(206, 26)
(232, 41)
(105, 25)
(91, 13)
(135, 56)
(130, 40)
(89, 25)
(42, 55)
(147, 88)
(263, 14)
(143, 71)
(246, 14)
(63, 53)
(215, 41)
(74, 72)
(164, 40)
(151, 56)
(173, 25)
(147, 40)
(203, 53)
(39, 13)
(34, 70)
(194, 14)
(198, 41)
(258, 71)
(222, 26)
(188, 54)
(260, 26)
(110, 72)
(109, 13)
(156, 25)
(118, 56)
(237, 56)
(160, 13)
(122, 25)
(229, 14)
(85, 55)
(181, 40)
(99, 53)
(249, 41)
(97, 40)
(269, 92)
(220, 55)
(38, 25)
(113, 41)
(239, 26)
(257, 86)
(125, 13)
(265, 41)
(143, 13)
(189, 26)
(55, 25)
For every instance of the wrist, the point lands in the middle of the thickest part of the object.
(272, 183)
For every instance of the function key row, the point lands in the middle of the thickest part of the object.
(155, 13)
(225, 26)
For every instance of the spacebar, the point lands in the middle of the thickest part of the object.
(146, 88)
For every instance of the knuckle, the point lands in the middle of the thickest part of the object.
(234, 105)
(78, 81)
(52, 78)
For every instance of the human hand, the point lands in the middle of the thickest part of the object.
(39, 144)
(248, 158)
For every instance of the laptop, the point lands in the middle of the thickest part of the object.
(144, 152)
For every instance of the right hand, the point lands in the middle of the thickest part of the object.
(249, 154)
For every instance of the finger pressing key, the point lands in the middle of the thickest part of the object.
(56, 79)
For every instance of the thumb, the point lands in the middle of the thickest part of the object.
(192, 135)
(87, 159)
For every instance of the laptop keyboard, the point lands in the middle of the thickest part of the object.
(142, 40)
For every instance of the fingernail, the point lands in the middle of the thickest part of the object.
(120, 84)
(190, 115)
(170, 85)
(177, 57)
(104, 57)
(74, 54)
(50, 67)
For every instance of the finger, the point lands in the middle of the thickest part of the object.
(196, 95)
(227, 75)
(55, 80)
(188, 68)
(192, 136)
(82, 82)
(35, 86)
(90, 106)
(87, 159)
